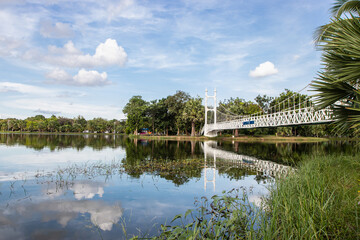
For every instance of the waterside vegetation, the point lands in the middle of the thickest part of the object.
(321, 200)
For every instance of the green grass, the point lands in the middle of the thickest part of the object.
(319, 201)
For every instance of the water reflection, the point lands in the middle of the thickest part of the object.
(244, 161)
(139, 149)
(102, 214)
(84, 189)
(79, 181)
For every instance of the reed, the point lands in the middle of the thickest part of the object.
(320, 201)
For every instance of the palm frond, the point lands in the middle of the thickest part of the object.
(324, 34)
(330, 90)
(337, 85)
(345, 6)
(341, 46)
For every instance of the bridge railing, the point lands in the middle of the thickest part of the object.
(308, 115)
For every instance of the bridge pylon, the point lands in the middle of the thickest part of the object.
(208, 133)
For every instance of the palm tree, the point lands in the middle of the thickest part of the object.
(193, 112)
(339, 81)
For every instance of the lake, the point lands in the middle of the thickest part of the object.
(114, 187)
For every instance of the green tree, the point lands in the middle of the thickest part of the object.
(22, 124)
(288, 100)
(263, 101)
(193, 112)
(41, 125)
(135, 111)
(80, 120)
(31, 125)
(53, 124)
(176, 104)
(153, 111)
(165, 119)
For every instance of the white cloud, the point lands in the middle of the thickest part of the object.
(59, 75)
(106, 54)
(16, 24)
(68, 49)
(83, 78)
(37, 91)
(90, 78)
(15, 31)
(9, 46)
(263, 70)
(58, 30)
(22, 88)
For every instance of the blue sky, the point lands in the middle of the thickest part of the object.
(88, 57)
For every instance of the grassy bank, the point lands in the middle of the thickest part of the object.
(319, 201)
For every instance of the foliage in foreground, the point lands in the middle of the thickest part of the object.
(319, 201)
(338, 84)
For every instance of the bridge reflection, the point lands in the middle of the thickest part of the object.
(211, 151)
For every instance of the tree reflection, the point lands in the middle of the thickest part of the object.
(176, 161)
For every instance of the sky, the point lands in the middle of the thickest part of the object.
(89, 57)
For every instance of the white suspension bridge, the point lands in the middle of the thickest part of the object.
(294, 110)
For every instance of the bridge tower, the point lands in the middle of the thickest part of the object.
(209, 109)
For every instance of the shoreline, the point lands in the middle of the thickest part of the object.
(265, 138)
(243, 138)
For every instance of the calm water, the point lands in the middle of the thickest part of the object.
(77, 187)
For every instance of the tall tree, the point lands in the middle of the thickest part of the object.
(193, 112)
(135, 112)
(176, 104)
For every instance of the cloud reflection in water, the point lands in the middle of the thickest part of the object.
(82, 189)
(101, 214)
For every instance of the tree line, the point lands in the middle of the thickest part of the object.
(54, 124)
(178, 114)
(181, 114)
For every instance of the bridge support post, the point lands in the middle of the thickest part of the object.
(207, 109)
